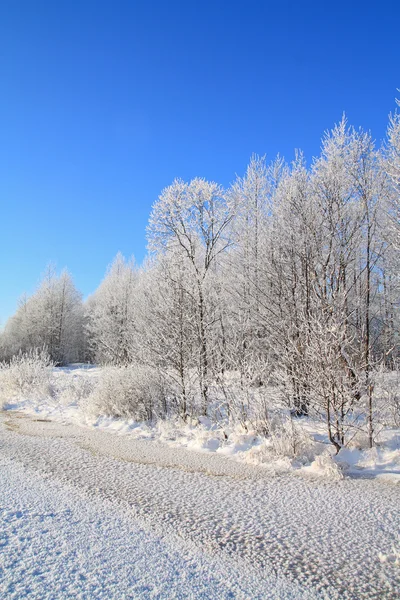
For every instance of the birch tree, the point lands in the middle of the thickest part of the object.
(194, 217)
(392, 167)
(110, 315)
(51, 319)
(167, 328)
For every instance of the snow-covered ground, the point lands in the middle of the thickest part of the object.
(89, 514)
(58, 543)
(316, 457)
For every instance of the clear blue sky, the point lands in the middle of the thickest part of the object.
(102, 104)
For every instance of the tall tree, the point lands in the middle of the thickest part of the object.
(110, 315)
(194, 217)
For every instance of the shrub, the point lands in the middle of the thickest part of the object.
(26, 375)
(134, 392)
(287, 439)
(72, 389)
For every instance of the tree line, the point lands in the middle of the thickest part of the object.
(286, 281)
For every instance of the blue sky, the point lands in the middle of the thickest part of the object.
(103, 104)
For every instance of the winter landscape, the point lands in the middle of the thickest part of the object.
(220, 418)
(229, 413)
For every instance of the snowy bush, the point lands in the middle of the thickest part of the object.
(287, 439)
(287, 445)
(132, 392)
(73, 389)
(26, 375)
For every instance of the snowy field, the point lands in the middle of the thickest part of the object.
(89, 514)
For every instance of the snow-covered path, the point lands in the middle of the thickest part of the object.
(88, 514)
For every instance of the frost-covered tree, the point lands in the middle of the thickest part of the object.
(52, 318)
(167, 328)
(194, 217)
(348, 189)
(110, 315)
(392, 167)
(243, 267)
(390, 223)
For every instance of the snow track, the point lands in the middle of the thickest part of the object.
(215, 526)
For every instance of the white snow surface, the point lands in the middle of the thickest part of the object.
(56, 543)
(87, 514)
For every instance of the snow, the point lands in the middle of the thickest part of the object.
(57, 543)
(380, 463)
(316, 458)
(91, 514)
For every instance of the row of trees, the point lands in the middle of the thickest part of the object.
(52, 318)
(287, 281)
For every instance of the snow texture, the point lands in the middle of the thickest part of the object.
(88, 514)
(55, 543)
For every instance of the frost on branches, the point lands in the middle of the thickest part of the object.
(280, 293)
